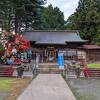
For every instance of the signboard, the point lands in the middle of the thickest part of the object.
(61, 60)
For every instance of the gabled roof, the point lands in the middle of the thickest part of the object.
(53, 37)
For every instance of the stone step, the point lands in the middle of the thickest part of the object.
(49, 72)
(47, 68)
(41, 66)
(48, 65)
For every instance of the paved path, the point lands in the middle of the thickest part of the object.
(47, 87)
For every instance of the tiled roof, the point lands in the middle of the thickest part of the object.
(53, 37)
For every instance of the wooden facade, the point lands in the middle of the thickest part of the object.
(69, 54)
(91, 52)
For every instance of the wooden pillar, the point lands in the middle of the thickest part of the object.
(95, 55)
(88, 58)
(42, 55)
(76, 54)
(55, 55)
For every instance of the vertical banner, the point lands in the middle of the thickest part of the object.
(61, 60)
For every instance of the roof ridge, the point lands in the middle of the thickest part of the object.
(53, 31)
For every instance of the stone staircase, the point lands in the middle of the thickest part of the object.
(6, 71)
(48, 68)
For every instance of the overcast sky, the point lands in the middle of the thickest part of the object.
(66, 6)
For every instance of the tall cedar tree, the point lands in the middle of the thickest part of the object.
(86, 19)
(52, 18)
(20, 14)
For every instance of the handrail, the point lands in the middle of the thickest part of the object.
(34, 69)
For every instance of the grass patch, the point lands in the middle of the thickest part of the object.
(93, 65)
(5, 84)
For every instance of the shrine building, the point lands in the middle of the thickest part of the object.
(48, 43)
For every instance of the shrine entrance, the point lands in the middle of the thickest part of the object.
(47, 55)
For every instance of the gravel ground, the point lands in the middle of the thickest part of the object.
(3, 95)
(85, 89)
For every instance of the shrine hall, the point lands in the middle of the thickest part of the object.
(49, 43)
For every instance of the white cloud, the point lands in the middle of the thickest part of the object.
(66, 6)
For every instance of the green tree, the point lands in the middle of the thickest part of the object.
(96, 39)
(52, 18)
(86, 19)
(6, 14)
(69, 24)
(20, 14)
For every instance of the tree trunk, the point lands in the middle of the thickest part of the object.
(16, 23)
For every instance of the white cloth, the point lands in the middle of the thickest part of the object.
(14, 51)
(22, 57)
